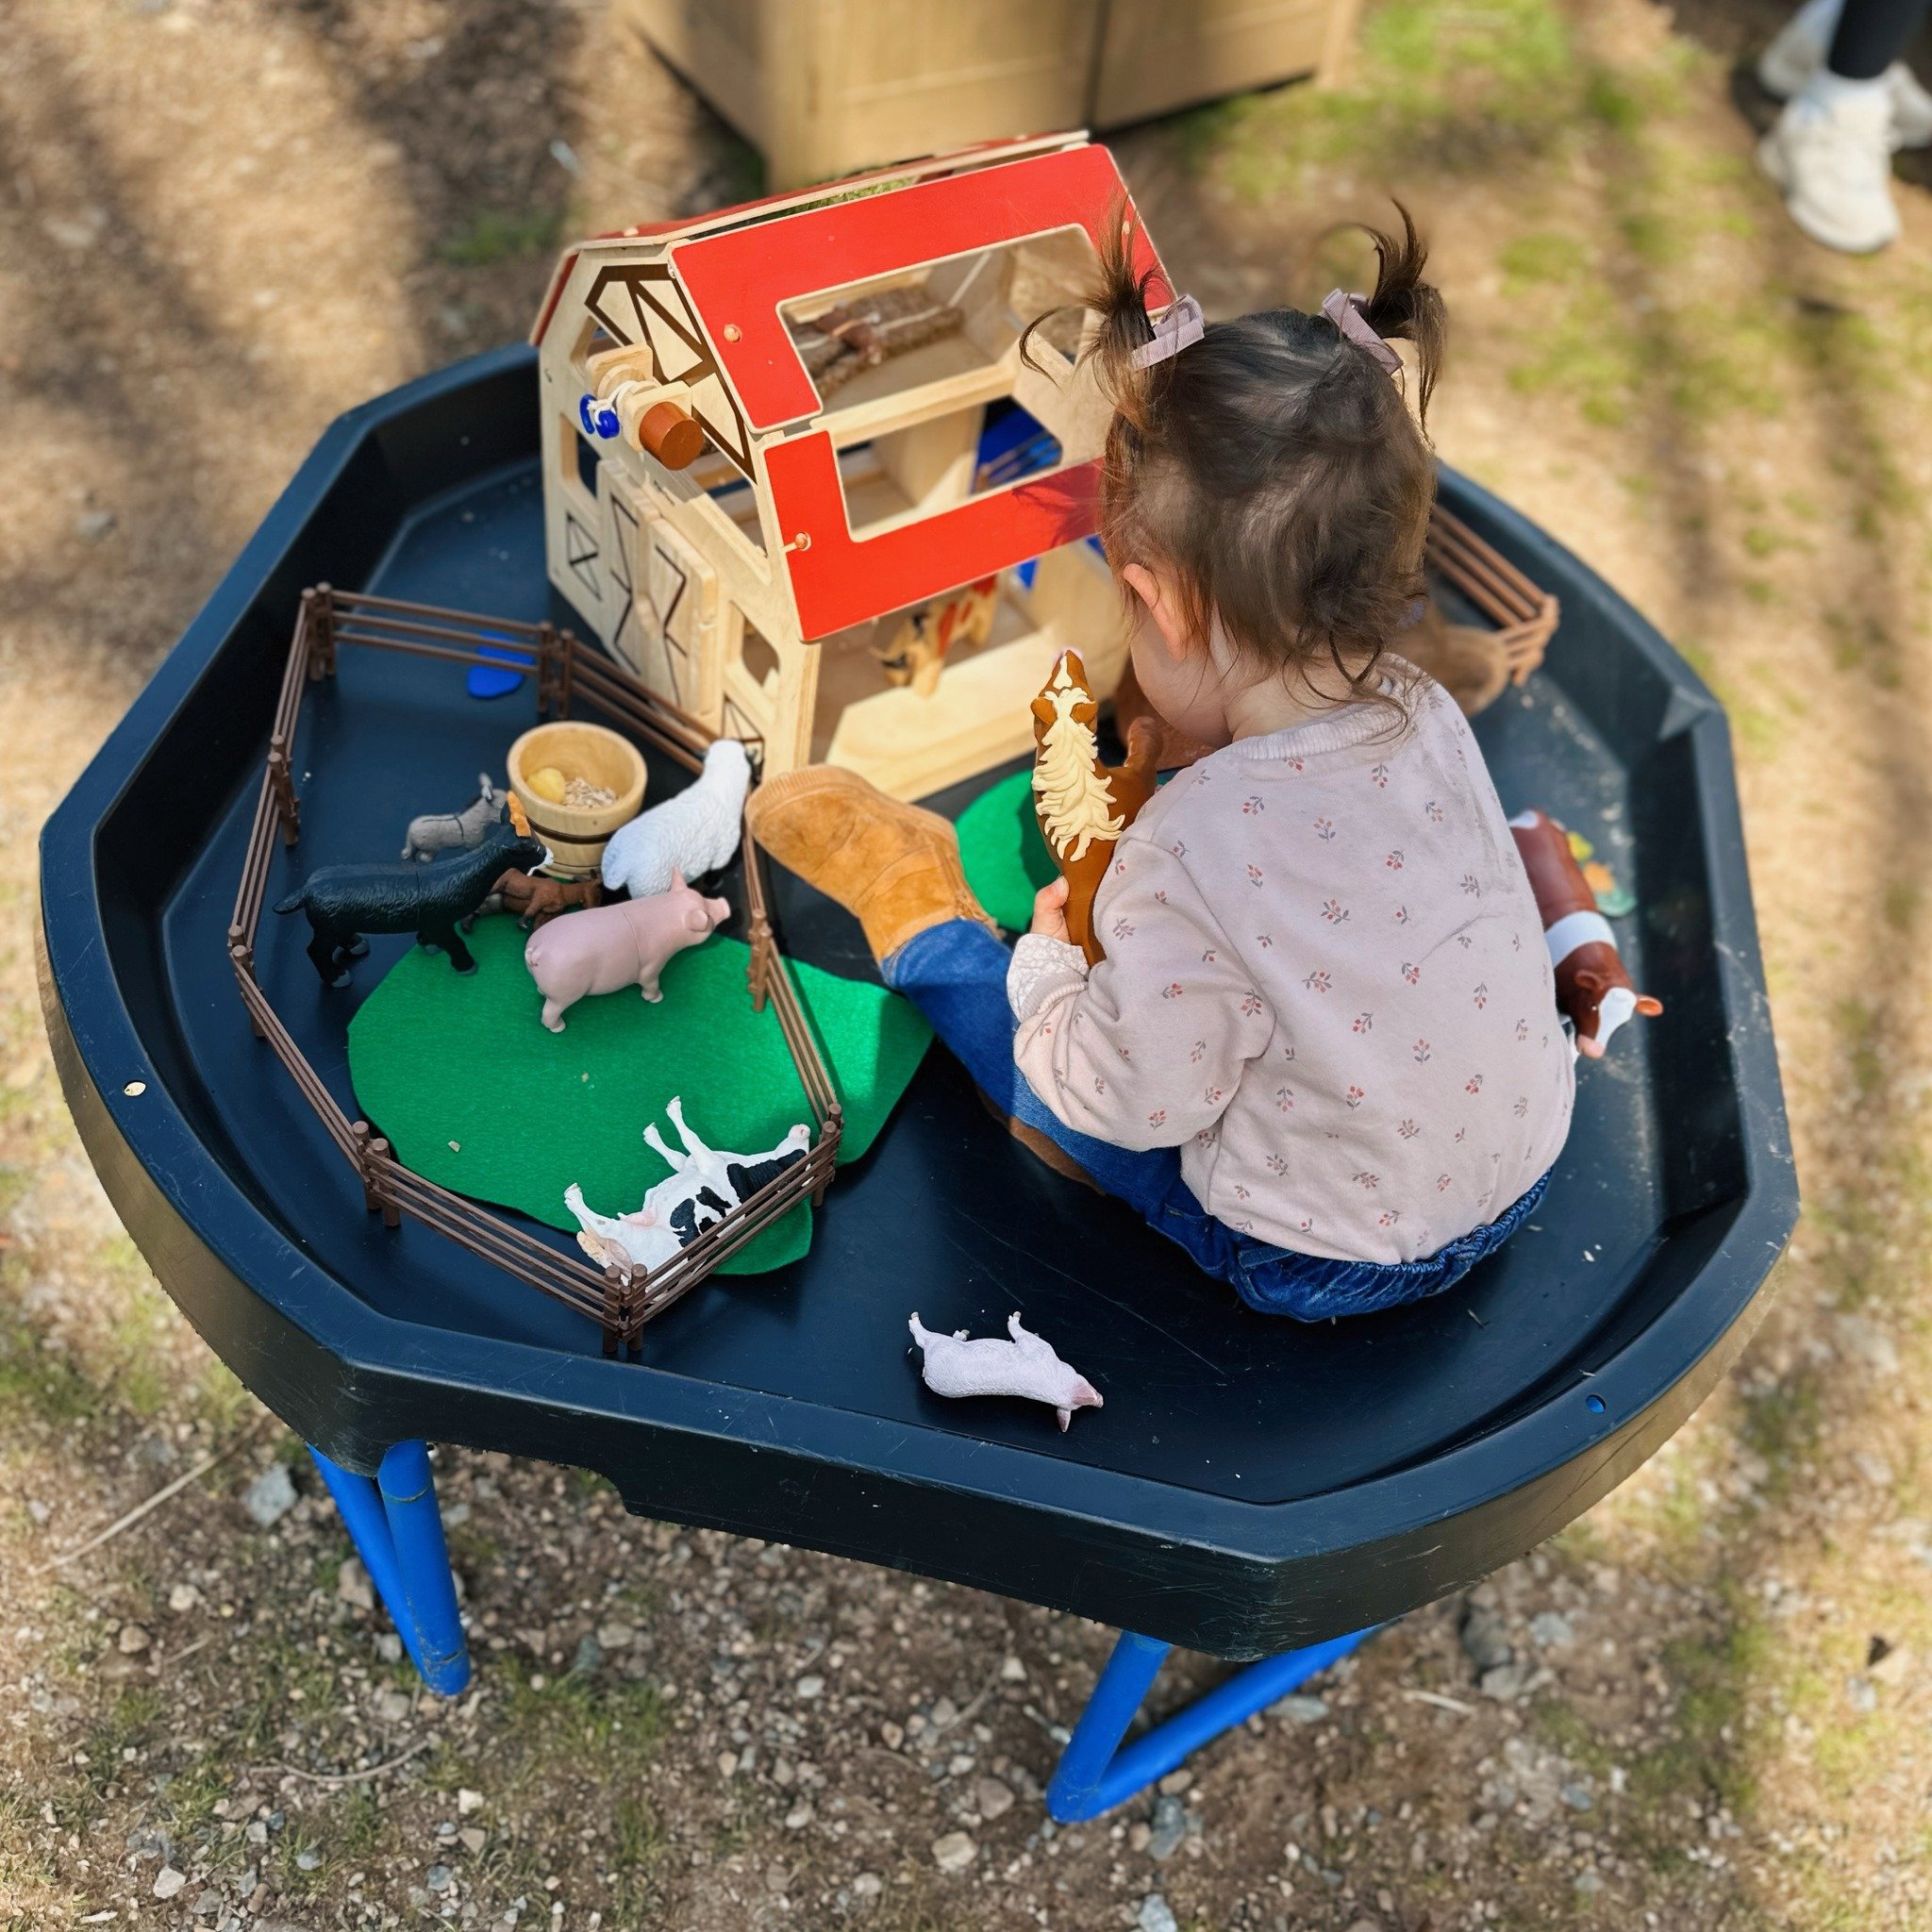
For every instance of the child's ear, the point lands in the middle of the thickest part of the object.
(1156, 592)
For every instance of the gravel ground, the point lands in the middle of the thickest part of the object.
(224, 221)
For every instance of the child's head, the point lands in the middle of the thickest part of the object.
(1267, 493)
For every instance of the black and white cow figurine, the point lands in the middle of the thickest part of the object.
(703, 1188)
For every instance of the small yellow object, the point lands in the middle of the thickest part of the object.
(1580, 847)
(547, 781)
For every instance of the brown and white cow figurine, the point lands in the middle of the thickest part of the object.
(1593, 991)
(1082, 805)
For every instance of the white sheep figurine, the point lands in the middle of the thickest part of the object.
(1024, 1366)
(693, 833)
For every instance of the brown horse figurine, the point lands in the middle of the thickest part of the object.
(536, 901)
(1083, 806)
(1594, 989)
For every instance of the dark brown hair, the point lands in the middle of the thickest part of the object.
(1273, 467)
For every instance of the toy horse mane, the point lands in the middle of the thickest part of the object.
(1082, 805)
(1075, 802)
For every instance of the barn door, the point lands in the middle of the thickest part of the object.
(667, 627)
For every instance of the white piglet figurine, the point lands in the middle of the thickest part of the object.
(693, 833)
(1024, 1366)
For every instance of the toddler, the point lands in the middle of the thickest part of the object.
(1323, 1053)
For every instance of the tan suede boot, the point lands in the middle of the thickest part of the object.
(894, 867)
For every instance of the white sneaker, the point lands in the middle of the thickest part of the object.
(1832, 158)
(1798, 53)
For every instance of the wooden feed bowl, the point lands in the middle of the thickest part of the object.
(577, 838)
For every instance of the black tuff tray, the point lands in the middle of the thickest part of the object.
(1252, 1484)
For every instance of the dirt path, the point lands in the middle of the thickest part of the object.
(223, 222)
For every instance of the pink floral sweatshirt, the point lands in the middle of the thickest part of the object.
(1325, 983)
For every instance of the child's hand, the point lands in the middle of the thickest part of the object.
(1050, 912)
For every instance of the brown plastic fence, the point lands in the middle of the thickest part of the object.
(1524, 616)
(567, 671)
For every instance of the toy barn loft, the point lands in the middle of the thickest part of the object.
(797, 476)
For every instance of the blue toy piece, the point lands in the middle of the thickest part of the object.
(1095, 1774)
(397, 1529)
(599, 419)
(486, 681)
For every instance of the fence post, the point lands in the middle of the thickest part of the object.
(615, 1307)
(288, 806)
(759, 972)
(241, 955)
(319, 603)
(372, 1156)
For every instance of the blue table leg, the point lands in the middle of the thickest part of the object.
(397, 1530)
(1095, 1774)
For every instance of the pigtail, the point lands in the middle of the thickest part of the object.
(1406, 307)
(1117, 298)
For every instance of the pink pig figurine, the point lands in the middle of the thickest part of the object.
(605, 948)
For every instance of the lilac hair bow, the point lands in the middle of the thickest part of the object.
(1345, 311)
(1179, 328)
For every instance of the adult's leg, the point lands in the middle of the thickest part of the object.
(1870, 35)
(1852, 101)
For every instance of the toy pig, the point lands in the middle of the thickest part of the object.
(607, 947)
(956, 1365)
(1593, 991)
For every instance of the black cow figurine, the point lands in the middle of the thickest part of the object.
(343, 902)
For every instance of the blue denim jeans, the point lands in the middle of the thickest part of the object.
(956, 974)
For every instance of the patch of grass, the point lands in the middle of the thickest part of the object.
(1760, 541)
(356, 1824)
(585, 1714)
(1862, 1032)
(1760, 731)
(14, 1184)
(289, 1877)
(143, 1363)
(586, 1483)
(495, 235)
(190, 1795)
(642, 1843)
(1709, 1755)
(1571, 1733)
(127, 1724)
(23, 1870)
(1542, 258)
(39, 1384)
(220, 1398)
(1442, 87)
(1782, 1425)
(278, 1661)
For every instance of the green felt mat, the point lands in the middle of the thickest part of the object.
(1005, 858)
(439, 1058)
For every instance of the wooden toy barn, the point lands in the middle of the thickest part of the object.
(798, 478)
